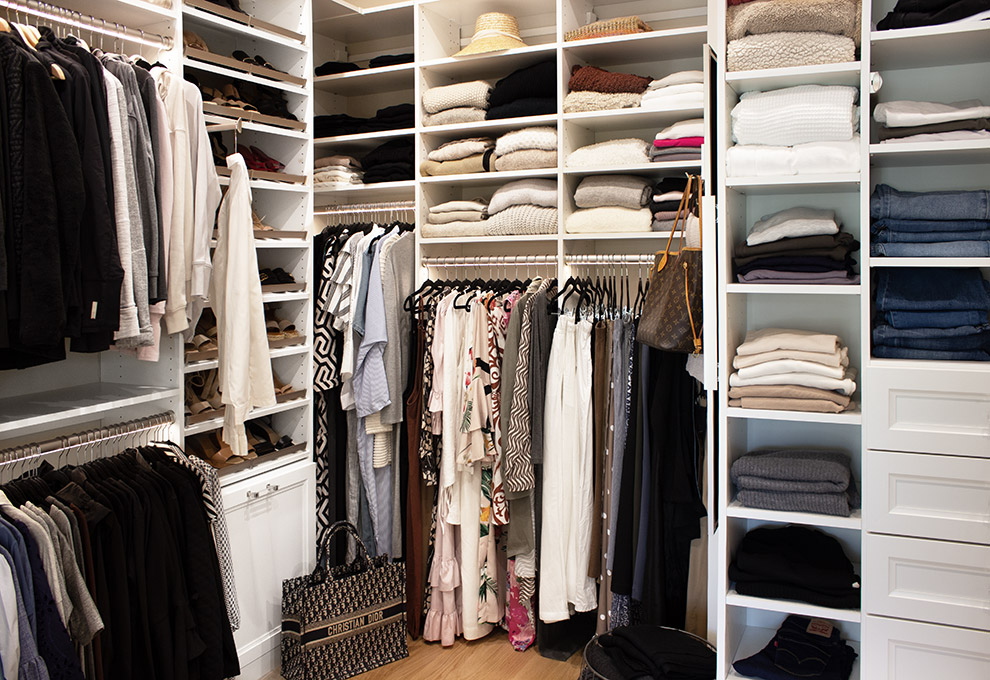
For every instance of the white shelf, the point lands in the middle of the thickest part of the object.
(217, 423)
(930, 153)
(268, 185)
(285, 297)
(279, 243)
(197, 65)
(740, 511)
(229, 26)
(250, 126)
(792, 289)
(134, 13)
(734, 599)
(383, 191)
(489, 127)
(468, 240)
(363, 139)
(923, 365)
(632, 118)
(844, 418)
(795, 184)
(292, 350)
(754, 639)
(368, 81)
(930, 261)
(846, 73)
(491, 65)
(673, 43)
(90, 400)
(260, 465)
(623, 236)
(649, 168)
(929, 46)
(482, 178)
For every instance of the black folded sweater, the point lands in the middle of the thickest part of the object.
(530, 106)
(536, 81)
(397, 117)
(930, 13)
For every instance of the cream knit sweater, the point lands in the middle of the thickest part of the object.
(473, 93)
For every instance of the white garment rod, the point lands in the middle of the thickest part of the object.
(68, 17)
(489, 260)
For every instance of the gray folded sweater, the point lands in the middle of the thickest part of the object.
(621, 191)
(792, 470)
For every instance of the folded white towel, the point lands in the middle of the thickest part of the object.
(815, 158)
(543, 138)
(909, 113)
(792, 223)
(791, 366)
(694, 127)
(770, 339)
(609, 219)
(538, 192)
(838, 358)
(673, 102)
(612, 153)
(679, 78)
(478, 205)
(796, 115)
(844, 386)
(952, 136)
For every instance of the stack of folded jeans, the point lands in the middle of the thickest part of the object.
(796, 480)
(929, 224)
(802, 648)
(931, 313)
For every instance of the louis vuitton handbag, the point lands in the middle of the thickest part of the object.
(337, 623)
(671, 318)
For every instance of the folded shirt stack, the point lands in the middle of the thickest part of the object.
(457, 103)
(611, 203)
(459, 157)
(337, 171)
(332, 67)
(682, 90)
(667, 195)
(802, 130)
(456, 218)
(529, 91)
(614, 153)
(789, 480)
(390, 162)
(802, 649)
(792, 370)
(398, 117)
(909, 121)
(526, 206)
(782, 33)
(929, 224)
(530, 148)
(795, 563)
(914, 13)
(931, 314)
(680, 142)
(797, 245)
(609, 27)
(594, 89)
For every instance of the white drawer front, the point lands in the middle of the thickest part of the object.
(930, 581)
(902, 650)
(928, 411)
(943, 497)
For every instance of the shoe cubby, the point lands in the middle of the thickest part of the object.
(280, 65)
(287, 22)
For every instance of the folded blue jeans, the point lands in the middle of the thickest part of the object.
(890, 224)
(891, 236)
(930, 289)
(946, 249)
(963, 338)
(886, 352)
(887, 201)
(969, 317)
(794, 652)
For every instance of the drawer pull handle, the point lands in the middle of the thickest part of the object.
(253, 494)
(272, 488)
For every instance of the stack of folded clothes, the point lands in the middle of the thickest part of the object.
(614, 153)
(931, 313)
(803, 130)
(594, 89)
(328, 68)
(797, 245)
(390, 162)
(929, 224)
(611, 203)
(795, 563)
(908, 121)
(526, 206)
(337, 171)
(796, 480)
(530, 148)
(792, 370)
(782, 33)
(802, 648)
(913, 13)
(680, 142)
(397, 117)
(667, 195)
(456, 218)
(681, 90)
(608, 28)
(460, 156)
(391, 60)
(529, 91)
(457, 103)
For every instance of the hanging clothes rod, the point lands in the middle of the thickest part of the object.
(579, 260)
(68, 17)
(358, 208)
(224, 127)
(26, 452)
(489, 260)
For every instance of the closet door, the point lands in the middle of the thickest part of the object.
(270, 520)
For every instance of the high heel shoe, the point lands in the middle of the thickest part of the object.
(261, 155)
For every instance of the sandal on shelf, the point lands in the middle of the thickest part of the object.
(274, 332)
(194, 403)
(282, 276)
(233, 98)
(287, 328)
(258, 439)
(265, 431)
(279, 387)
(194, 40)
(258, 224)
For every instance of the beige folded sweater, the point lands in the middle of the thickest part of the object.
(837, 17)
(838, 358)
(456, 216)
(452, 229)
(476, 163)
(576, 102)
(783, 50)
(770, 339)
(526, 159)
(608, 220)
(461, 114)
(461, 148)
(474, 93)
(787, 392)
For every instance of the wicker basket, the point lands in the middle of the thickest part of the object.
(609, 27)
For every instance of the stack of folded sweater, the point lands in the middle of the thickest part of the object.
(608, 28)
(932, 314)
(791, 370)
(667, 195)
(797, 245)
(680, 142)
(594, 89)
(611, 203)
(529, 91)
(390, 162)
(526, 206)
(795, 563)
(398, 117)
(457, 103)
(459, 157)
(456, 218)
(803, 130)
(908, 121)
(681, 90)
(530, 148)
(614, 153)
(781, 33)
(914, 13)
(796, 480)
(929, 224)
(802, 649)
(337, 171)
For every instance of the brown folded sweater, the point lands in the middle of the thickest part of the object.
(788, 392)
(775, 404)
(594, 79)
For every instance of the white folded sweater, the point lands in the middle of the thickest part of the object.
(459, 206)
(796, 115)
(613, 153)
(837, 358)
(844, 386)
(538, 192)
(792, 223)
(471, 94)
(791, 366)
(909, 113)
(694, 127)
(609, 219)
(814, 158)
(679, 78)
(543, 138)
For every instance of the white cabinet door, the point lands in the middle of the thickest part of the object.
(271, 522)
(902, 650)
(931, 581)
(942, 497)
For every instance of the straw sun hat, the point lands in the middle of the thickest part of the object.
(493, 31)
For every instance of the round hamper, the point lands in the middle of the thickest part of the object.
(598, 665)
